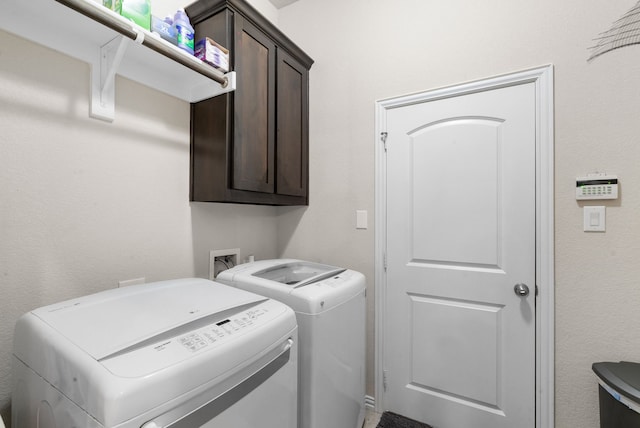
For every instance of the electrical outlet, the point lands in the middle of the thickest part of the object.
(220, 260)
(128, 282)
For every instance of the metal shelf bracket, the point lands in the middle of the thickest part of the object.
(103, 76)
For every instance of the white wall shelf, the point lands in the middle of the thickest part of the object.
(111, 44)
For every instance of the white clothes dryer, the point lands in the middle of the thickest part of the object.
(329, 303)
(183, 353)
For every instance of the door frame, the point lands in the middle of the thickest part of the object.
(542, 77)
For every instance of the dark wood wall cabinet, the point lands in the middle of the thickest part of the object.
(251, 145)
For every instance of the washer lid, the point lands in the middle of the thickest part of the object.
(297, 274)
(113, 321)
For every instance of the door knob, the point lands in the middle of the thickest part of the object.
(521, 290)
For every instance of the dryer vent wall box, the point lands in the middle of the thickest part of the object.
(597, 186)
(180, 353)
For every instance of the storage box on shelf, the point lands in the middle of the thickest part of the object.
(212, 53)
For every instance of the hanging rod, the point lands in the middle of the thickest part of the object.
(108, 18)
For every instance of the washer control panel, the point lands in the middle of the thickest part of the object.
(152, 355)
(337, 280)
(198, 339)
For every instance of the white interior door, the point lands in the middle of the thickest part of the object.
(459, 341)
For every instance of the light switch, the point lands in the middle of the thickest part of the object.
(594, 219)
(361, 219)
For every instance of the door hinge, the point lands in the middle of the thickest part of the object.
(384, 380)
(537, 289)
(383, 138)
(384, 261)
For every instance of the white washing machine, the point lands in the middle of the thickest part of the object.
(184, 353)
(329, 303)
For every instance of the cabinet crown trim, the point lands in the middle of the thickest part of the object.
(203, 9)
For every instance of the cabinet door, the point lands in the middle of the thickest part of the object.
(292, 127)
(254, 99)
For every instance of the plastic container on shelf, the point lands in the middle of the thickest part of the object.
(184, 31)
(114, 5)
(164, 28)
(138, 11)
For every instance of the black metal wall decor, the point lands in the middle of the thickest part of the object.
(624, 32)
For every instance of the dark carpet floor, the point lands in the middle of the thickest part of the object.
(392, 420)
